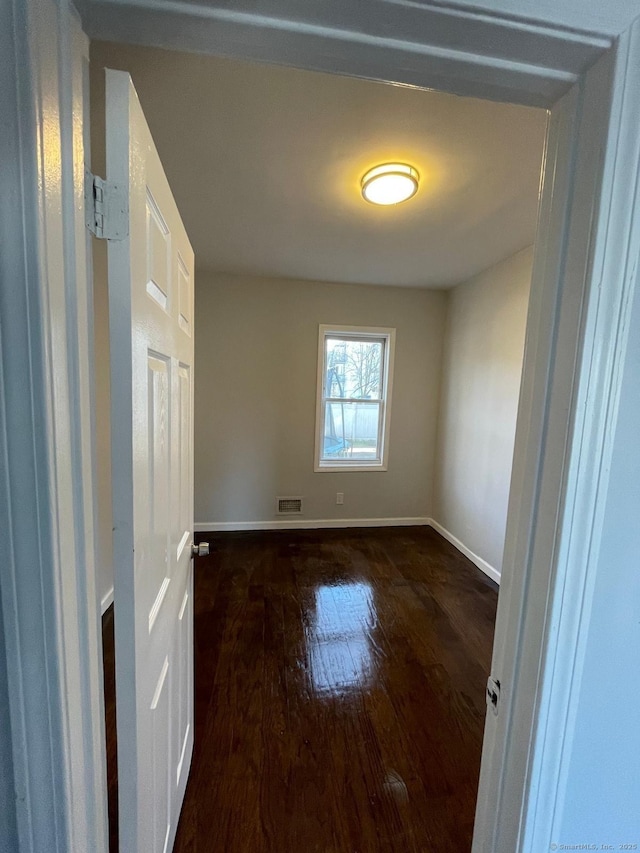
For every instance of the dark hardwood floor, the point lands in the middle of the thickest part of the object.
(340, 682)
(109, 665)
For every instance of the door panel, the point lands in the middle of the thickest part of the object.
(184, 729)
(151, 313)
(160, 804)
(183, 460)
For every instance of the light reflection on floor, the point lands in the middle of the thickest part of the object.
(340, 646)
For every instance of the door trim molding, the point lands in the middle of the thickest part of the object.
(612, 247)
(47, 576)
(435, 45)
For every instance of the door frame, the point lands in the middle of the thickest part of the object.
(583, 283)
(50, 608)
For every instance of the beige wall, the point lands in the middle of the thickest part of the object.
(101, 354)
(255, 385)
(482, 365)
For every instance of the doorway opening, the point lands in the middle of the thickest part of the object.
(451, 431)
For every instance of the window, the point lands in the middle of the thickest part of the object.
(355, 370)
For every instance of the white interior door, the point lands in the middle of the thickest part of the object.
(151, 332)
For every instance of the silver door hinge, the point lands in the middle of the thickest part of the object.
(493, 694)
(106, 208)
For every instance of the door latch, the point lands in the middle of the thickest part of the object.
(493, 694)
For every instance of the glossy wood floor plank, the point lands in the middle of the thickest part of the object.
(340, 681)
(109, 672)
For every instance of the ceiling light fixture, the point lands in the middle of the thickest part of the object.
(390, 183)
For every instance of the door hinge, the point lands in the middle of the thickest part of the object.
(106, 208)
(493, 694)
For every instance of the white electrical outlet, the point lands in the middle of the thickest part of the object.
(339, 498)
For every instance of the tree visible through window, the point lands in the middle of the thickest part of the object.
(353, 397)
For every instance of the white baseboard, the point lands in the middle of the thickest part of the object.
(340, 523)
(489, 570)
(307, 524)
(107, 601)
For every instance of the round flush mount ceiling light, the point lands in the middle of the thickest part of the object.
(390, 183)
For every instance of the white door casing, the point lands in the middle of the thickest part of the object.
(39, 611)
(151, 276)
(53, 785)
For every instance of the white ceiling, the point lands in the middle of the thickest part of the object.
(265, 164)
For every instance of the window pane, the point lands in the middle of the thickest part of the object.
(351, 431)
(353, 369)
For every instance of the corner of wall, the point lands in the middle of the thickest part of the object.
(485, 567)
(434, 509)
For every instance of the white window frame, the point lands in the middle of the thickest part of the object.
(388, 335)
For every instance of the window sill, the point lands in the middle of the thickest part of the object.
(331, 468)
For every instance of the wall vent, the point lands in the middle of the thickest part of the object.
(289, 506)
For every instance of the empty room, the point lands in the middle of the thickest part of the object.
(297, 639)
(363, 258)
